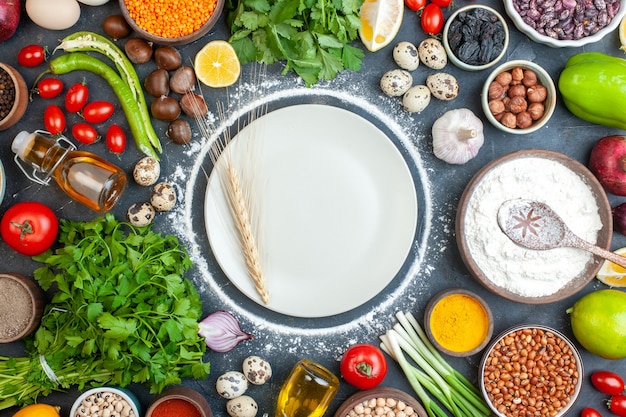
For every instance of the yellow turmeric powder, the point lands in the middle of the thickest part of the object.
(459, 323)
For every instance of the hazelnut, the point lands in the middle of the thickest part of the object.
(504, 78)
(517, 74)
(507, 103)
(530, 78)
(537, 93)
(536, 110)
(496, 106)
(517, 91)
(509, 120)
(496, 90)
(518, 104)
(523, 120)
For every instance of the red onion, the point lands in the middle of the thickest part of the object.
(619, 218)
(222, 331)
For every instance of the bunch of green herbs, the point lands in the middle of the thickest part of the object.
(312, 36)
(122, 312)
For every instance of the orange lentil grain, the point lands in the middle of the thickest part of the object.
(170, 18)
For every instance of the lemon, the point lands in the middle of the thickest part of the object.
(622, 34)
(612, 274)
(217, 64)
(599, 323)
(380, 22)
(38, 410)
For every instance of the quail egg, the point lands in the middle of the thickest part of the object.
(243, 406)
(416, 99)
(443, 86)
(147, 171)
(141, 214)
(257, 370)
(394, 83)
(232, 384)
(432, 53)
(406, 56)
(163, 196)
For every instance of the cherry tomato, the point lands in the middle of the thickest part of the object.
(76, 97)
(30, 228)
(363, 366)
(54, 119)
(432, 19)
(415, 5)
(98, 111)
(116, 139)
(49, 87)
(590, 412)
(608, 382)
(84, 133)
(442, 3)
(617, 405)
(31, 55)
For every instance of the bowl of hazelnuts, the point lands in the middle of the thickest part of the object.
(519, 97)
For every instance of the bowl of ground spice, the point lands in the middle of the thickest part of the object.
(458, 322)
(179, 402)
(13, 96)
(21, 306)
(171, 23)
(533, 370)
(381, 401)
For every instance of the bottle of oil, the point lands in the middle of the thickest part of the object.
(307, 392)
(83, 176)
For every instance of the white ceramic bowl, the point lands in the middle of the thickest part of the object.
(126, 397)
(453, 58)
(542, 76)
(3, 182)
(556, 43)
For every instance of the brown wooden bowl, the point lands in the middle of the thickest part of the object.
(464, 235)
(379, 392)
(21, 97)
(182, 40)
(35, 310)
(182, 393)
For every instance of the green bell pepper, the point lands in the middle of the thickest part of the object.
(593, 87)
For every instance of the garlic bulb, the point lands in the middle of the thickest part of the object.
(457, 136)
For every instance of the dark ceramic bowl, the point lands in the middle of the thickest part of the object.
(185, 394)
(111, 396)
(21, 97)
(379, 392)
(30, 290)
(182, 40)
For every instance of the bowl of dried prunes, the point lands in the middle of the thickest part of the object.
(475, 37)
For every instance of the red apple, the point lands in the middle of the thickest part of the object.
(608, 163)
(9, 18)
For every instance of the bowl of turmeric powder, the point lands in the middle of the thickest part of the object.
(171, 23)
(458, 322)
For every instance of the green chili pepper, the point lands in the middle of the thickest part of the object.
(90, 41)
(75, 61)
(593, 87)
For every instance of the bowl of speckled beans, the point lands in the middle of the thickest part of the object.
(380, 401)
(14, 97)
(565, 23)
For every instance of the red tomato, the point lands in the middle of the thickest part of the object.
(76, 97)
(415, 5)
(49, 87)
(363, 366)
(116, 139)
(98, 111)
(432, 19)
(31, 55)
(608, 382)
(617, 405)
(442, 3)
(54, 119)
(84, 133)
(590, 412)
(30, 227)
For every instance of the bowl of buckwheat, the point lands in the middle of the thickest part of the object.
(531, 369)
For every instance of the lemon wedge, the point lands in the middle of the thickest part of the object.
(622, 34)
(612, 274)
(217, 64)
(380, 22)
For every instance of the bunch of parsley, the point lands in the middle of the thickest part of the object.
(312, 36)
(121, 313)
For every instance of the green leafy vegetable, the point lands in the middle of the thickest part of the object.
(122, 313)
(312, 36)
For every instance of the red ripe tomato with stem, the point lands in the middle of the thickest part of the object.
(432, 19)
(49, 87)
(54, 119)
(116, 139)
(607, 382)
(590, 412)
(415, 5)
(363, 366)
(76, 97)
(31, 55)
(30, 228)
(97, 111)
(617, 405)
(84, 133)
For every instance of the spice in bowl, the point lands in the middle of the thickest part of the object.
(13, 96)
(531, 370)
(179, 402)
(21, 307)
(458, 322)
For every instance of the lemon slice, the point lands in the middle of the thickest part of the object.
(612, 274)
(380, 22)
(217, 64)
(622, 34)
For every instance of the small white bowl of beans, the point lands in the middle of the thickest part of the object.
(531, 370)
(380, 401)
(106, 402)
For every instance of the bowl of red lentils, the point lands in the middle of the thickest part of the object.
(171, 23)
(531, 369)
(380, 401)
(14, 97)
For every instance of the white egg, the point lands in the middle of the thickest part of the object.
(53, 15)
(94, 2)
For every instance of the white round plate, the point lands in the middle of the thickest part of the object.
(336, 207)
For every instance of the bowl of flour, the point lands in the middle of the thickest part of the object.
(526, 275)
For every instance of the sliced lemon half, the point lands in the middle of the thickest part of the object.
(622, 34)
(217, 64)
(612, 274)
(380, 22)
